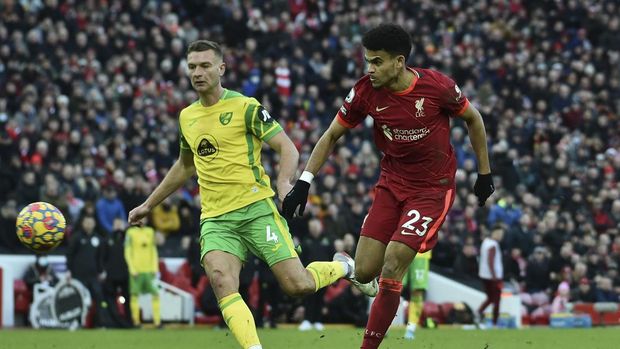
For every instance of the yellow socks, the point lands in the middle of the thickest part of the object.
(135, 310)
(326, 273)
(415, 309)
(239, 319)
(156, 311)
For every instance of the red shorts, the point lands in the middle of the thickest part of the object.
(405, 215)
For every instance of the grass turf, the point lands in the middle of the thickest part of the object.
(339, 338)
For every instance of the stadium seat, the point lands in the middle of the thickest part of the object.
(587, 308)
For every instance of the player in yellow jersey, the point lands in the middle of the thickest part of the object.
(417, 278)
(221, 138)
(143, 263)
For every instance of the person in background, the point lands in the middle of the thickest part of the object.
(143, 264)
(417, 278)
(117, 280)
(491, 271)
(560, 302)
(584, 292)
(85, 264)
(109, 207)
(40, 272)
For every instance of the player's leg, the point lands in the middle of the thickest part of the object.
(268, 237)
(489, 299)
(134, 291)
(222, 253)
(376, 232)
(151, 287)
(398, 257)
(497, 296)
(421, 218)
(369, 256)
(418, 273)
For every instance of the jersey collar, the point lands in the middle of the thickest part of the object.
(412, 86)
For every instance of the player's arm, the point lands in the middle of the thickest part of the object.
(182, 170)
(289, 158)
(295, 200)
(478, 137)
(477, 134)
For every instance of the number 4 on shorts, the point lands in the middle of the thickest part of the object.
(271, 236)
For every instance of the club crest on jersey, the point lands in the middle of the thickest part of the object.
(207, 147)
(226, 117)
(350, 96)
(419, 105)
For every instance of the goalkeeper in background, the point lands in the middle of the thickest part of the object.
(417, 278)
(143, 263)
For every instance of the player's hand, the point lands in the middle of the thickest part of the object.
(137, 216)
(296, 198)
(484, 188)
(283, 189)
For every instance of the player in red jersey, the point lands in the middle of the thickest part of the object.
(411, 108)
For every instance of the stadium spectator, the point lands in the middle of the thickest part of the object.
(9, 243)
(117, 274)
(109, 207)
(85, 264)
(584, 292)
(40, 272)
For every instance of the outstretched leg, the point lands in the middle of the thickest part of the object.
(223, 271)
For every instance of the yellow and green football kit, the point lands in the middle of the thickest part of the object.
(143, 264)
(238, 214)
(417, 274)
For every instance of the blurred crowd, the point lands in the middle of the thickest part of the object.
(90, 92)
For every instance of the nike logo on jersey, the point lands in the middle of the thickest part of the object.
(191, 123)
(381, 109)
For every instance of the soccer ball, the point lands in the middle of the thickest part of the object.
(40, 226)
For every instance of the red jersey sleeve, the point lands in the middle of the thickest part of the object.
(453, 100)
(352, 111)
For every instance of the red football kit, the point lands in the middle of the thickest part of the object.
(412, 129)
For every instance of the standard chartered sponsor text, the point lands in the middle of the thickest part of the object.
(412, 134)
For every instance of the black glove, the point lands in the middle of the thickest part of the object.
(297, 197)
(484, 188)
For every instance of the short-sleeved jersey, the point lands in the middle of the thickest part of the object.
(141, 250)
(226, 140)
(411, 127)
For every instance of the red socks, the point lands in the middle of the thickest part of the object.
(382, 312)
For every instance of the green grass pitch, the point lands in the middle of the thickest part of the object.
(339, 338)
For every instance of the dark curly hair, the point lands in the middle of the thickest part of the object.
(390, 38)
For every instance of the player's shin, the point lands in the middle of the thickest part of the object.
(135, 310)
(326, 273)
(156, 311)
(239, 319)
(382, 312)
